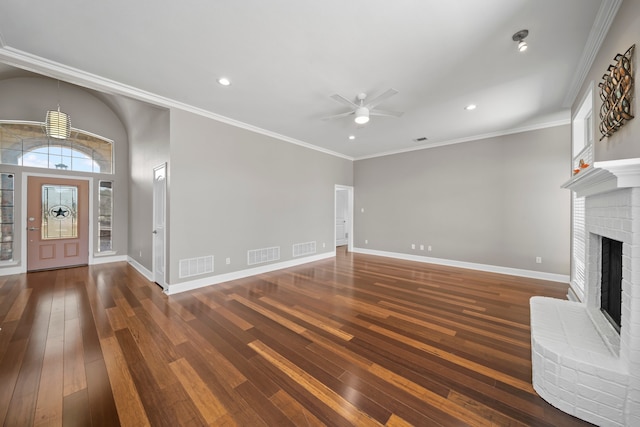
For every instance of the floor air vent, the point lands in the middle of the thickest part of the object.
(195, 266)
(258, 256)
(300, 249)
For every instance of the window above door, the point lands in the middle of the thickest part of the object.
(26, 144)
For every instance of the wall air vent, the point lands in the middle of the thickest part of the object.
(301, 249)
(259, 256)
(195, 266)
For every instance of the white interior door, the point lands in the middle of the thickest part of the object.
(344, 215)
(159, 230)
(342, 233)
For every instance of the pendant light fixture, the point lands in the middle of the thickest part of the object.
(57, 123)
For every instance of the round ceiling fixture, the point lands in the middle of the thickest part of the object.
(362, 115)
(224, 81)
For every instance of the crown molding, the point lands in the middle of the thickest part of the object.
(602, 23)
(471, 138)
(39, 65)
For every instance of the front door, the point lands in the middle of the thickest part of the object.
(57, 223)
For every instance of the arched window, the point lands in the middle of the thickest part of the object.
(26, 144)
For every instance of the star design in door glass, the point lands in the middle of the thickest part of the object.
(59, 212)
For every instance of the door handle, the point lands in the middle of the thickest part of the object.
(155, 231)
(33, 228)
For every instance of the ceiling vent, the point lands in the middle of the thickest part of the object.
(421, 139)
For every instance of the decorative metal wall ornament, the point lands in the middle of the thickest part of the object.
(616, 92)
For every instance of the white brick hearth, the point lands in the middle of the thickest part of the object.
(580, 363)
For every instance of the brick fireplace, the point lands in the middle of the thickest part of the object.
(581, 363)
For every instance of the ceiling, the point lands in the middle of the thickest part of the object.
(285, 58)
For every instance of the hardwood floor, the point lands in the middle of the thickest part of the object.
(356, 340)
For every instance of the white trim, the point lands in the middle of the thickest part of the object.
(562, 278)
(214, 280)
(606, 176)
(602, 23)
(105, 253)
(23, 206)
(106, 259)
(140, 268)
(11, 270)
(29, 62)
(572, 295)
(471, 138)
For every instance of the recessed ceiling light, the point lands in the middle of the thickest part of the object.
(470, 107)
(224, 81)
(352, 137)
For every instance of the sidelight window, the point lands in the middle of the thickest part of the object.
(6, 216)
(105, 214)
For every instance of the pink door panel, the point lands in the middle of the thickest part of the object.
(57, 223)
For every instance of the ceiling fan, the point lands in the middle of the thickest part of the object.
(363, 109)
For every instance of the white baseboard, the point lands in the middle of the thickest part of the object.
(214, 280)
(141, 269)
(469, 265)
(105, 259)
(12, 269)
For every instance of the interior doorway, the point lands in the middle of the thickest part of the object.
(343, 202)
(57, 222)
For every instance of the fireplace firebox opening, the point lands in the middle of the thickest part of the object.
(611, 284)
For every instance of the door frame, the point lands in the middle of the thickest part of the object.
(23, 213)
(349, 190)
(164, 285)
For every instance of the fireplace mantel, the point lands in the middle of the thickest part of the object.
(605, 176)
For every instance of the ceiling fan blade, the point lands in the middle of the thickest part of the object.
(385, 113)
(378, 99)
(338, 116)
(342, 100)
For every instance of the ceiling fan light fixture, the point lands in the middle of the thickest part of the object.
(519, 37)
(362, 115)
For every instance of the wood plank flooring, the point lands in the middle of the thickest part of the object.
(355, 340)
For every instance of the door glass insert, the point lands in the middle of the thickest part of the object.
(59, 212)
